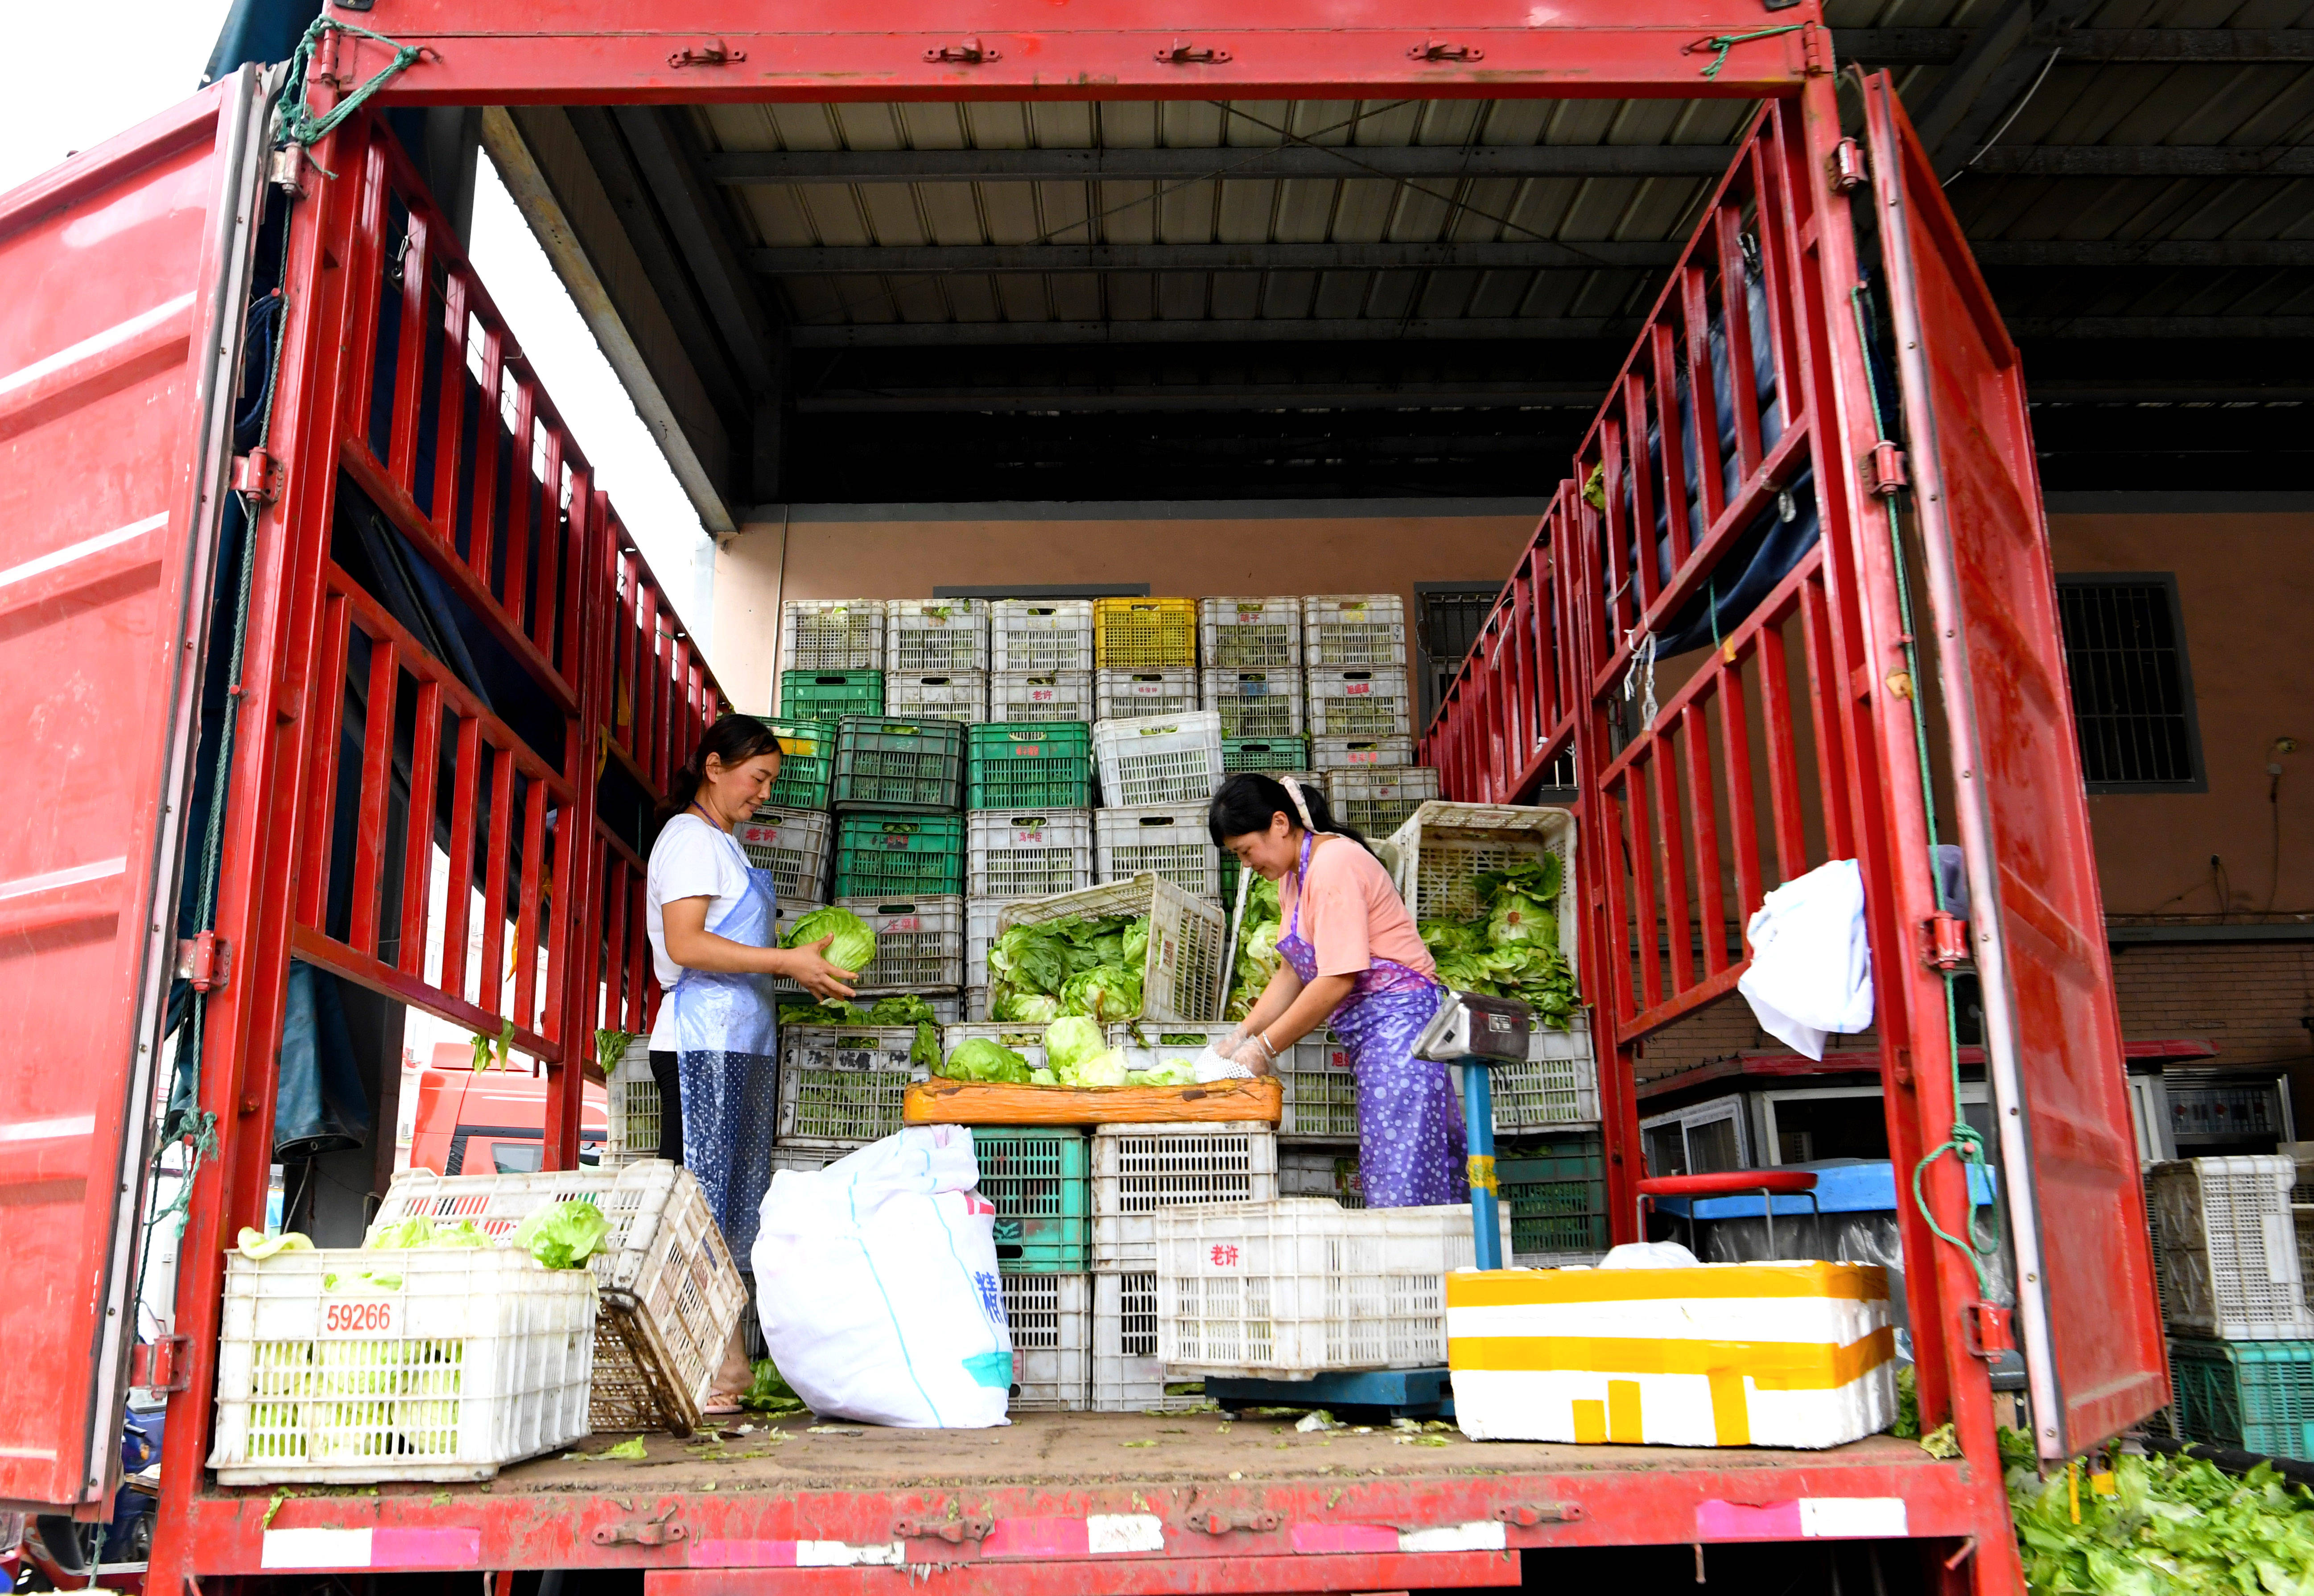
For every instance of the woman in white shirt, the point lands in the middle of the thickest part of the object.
(714, 1044)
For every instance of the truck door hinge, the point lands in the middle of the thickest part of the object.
(285, 169)
(1846, 166)
(971, 53)
(1944, 942)
(1884, 470)
(257, 476)
(955, 1531)
(1526, 1515)
(713, 52)
(1215, 1521)
(662, 1530)
(162, 1365)
(206, 960)
(1815, 50)
(1439, 49)
(1985, 1331)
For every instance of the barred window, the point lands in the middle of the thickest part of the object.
(1447, 620)
(2133, 693)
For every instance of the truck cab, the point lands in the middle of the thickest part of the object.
(480, 1122)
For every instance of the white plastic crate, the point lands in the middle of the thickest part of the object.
(1442, 848)
(342, 1367)
(960, 695)
(805, 1159)
(1029, 853)
(794, 845)
(935, 635)
(1138, 1170)
(1354, 701)
(832, 634)
(1187, 939)
(1050, 1319)
(1148, 1045)
(843, 1086)
(1364, 629)
(783, 987)
(1158, 759)
(1328, 1172)
(919, 943)
(630, 1099)
(1558, 1084)
(1126, 1377)
(1350, 754)
(1249, 633)
(1302, 1286)
(1122, 695)
(1026, 696)
(670, 1290)
(1169, 840)
(1255, 702)
(979, 931)
(2301, 1217)
(1026, 1039)
(2229, 1247)
(1377, 799)
(1041, 635)
(1320, 1090)
(976, 998)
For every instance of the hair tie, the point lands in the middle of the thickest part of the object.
(1294, 790)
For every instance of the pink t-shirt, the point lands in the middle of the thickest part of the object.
(1353, 915)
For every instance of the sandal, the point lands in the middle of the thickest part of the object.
(721, 1405)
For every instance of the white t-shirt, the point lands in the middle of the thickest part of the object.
(691, 859)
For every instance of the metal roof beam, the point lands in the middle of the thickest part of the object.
(1462, 396)
(1941, 46)
(2181, 252)
(1287, 161)
(1535, 255)
(2101, 160)
(907, 335)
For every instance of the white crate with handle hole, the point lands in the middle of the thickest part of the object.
(919, 944)
(1377, 799)
(1041, 635)
(1158, 759)
(1249, 633)
(670, 1289)
(935, 635)
(1361, 752)
(1261, 702)
(1181, 972)
(632, 1107)
(1028, 697)
(2229, 1241)
(1027, 853)
(1365, 630)
(1140, 1170)
(1050, 1319)
(832, 634)
(1356, 701)
(1172, 840)
(1303, 1286)
(843, 1086)
(794, 846)
(1121, 693)
(953, 696)
(337, 1366)
(1126, 1377)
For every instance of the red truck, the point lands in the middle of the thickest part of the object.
(180, 446)
(477, 1122)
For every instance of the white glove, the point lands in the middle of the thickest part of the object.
(1214, 1065)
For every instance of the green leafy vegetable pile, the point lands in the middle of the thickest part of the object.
(1258, 933)
(410, 1234)
(1512, 950)
(854, 945)
(768, 1393)
(1080, 1055)
(2172, 1526)
(903, 1008)
(1078, 967)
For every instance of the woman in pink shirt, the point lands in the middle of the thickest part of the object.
(1351, 956)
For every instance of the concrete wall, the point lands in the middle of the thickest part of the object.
(1180, 551)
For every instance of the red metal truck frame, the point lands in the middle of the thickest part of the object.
(594, 631)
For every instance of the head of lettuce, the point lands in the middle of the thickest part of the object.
(852, 940)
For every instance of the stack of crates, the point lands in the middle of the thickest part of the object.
(1040, 658)
(1253, 658)
(1136, 1170)
(1029, 829)
(1149, 722)
(2242, 1335)
(1038, 1179)
(936, 659)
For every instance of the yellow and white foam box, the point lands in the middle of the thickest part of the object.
(1799, 1354)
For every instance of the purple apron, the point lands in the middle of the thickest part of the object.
(1410, 1147)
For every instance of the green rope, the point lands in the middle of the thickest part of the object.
(1963, 1139)
(1724, 42)
(299, 125)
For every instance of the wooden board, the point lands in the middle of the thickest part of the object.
(975, 1103)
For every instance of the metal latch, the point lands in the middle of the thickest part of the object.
(955, 1531)
(713, 53)
(1214, 1522)
(206, 960)
(1884, 470)
(1191, 54)
(1526, 1515)
(162, 1365)
(285, 169)
(1846, 165)
(1985, 1331)
(971, 53)
(1438, 50)
(257, 475)
(662, 1530)
(1944, 942)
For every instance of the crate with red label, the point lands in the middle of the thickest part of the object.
(1357, 702)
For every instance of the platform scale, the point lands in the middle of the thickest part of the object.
(1473, 1034)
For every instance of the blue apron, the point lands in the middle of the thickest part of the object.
(726, 1040)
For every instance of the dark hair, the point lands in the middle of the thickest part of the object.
(1248, 799)
(734, 740)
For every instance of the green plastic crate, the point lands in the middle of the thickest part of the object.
(1557, 1194)
(2258, 1396)
(1039, 1179)
(806, 761)
(908, 767)
(1045, 764)
(831, 695)
(899, 856)
(1264, 754)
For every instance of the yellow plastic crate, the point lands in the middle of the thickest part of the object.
(1144, 633)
